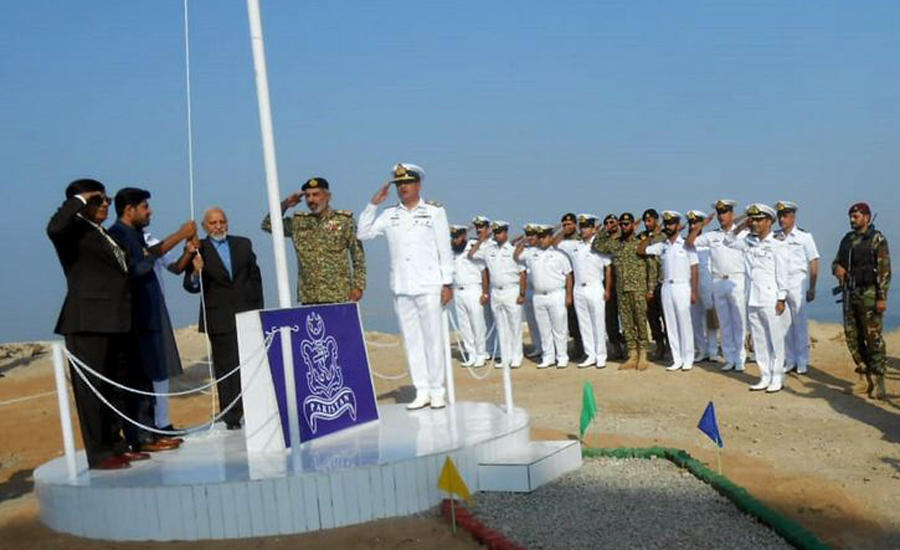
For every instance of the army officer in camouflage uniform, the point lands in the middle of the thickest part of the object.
(331, 264)
(863, 269)
(633, 279)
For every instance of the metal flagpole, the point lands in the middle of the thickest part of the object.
(268, 143)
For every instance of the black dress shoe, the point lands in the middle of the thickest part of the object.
(233, 425)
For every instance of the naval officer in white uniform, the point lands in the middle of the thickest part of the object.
(508, 286)
(766, 265)
(706, 342)
(593, 287)
(421, 276)
(802, 275)
(468, 280)
(531, 247)
(551, 274)
(729, 278)
(681, 278)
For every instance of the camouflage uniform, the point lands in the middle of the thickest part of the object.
(868, 263)
(654, 308)
(326, 247)
(632, 278)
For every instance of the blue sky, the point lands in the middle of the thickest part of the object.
(518, 110)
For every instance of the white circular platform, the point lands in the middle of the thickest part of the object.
(212, 489)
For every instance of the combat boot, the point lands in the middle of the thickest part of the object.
(880, 390)
(631, 362)
(642, 362)
(862, 386)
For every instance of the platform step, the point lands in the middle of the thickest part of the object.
(526, 468)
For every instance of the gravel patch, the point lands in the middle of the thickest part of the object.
(624, 503)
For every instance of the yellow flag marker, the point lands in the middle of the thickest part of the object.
(451, 482)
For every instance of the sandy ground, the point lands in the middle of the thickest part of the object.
(827, 459)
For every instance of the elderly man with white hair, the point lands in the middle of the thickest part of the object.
(421, 275)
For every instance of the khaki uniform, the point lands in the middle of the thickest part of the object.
(330, 259)
(633, 277)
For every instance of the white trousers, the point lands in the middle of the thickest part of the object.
(423, 337)
(162, 403)
(676, 302)
(705, 337)
(590, 309)
(767, 330)
(490, 344)
(528, 310)
(796, 338)
(470, 317)
(508, 319)
(731, 310)
(553, 324)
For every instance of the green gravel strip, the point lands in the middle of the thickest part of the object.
(788, 529)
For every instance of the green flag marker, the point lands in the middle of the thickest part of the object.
(588, 408)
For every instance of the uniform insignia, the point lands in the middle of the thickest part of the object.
(348, 213)
(434, 203)
(400, 171)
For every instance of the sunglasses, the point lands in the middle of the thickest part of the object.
(98, 200)
(625, 223)
(722, 210)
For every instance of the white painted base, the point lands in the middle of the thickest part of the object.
(212, 488)
(524, 469)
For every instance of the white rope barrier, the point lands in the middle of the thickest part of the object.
(461, 348)
(71, 356)
(382, 344)
(153, 429)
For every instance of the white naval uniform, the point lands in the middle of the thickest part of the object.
(549, 269)
(467, 302)
(504, 272)
(765, 262)
(589, 294)
(676, 261)
(528, 306)
(705, 336)
(421, 263)
(801, 249)
(729, 296)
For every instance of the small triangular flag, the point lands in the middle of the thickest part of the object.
(451, 482)
(588, 408)
(709, 426)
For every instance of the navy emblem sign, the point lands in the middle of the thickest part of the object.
(331, 368)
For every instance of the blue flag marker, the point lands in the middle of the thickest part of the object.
(709, 426)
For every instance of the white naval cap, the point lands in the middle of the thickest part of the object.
(479, 221)
(671, 215)
(693, 215)
(406, 172)
(456, 227)
(786, 206)
(759, 210)
(587, 218)
(499, 224)
(723, 203)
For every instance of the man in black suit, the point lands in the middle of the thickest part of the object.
(231, 283)
(95, 317)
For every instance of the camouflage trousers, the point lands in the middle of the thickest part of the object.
(633, 316)
(863, 331)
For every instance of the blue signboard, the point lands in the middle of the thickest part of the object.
(331, 369)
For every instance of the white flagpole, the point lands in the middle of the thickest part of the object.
(268, 143)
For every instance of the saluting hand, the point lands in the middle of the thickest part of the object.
(292, 200)
(382, 194)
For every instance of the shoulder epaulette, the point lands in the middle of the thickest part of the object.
(302, 214)
(347, 213)
(434, 203)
